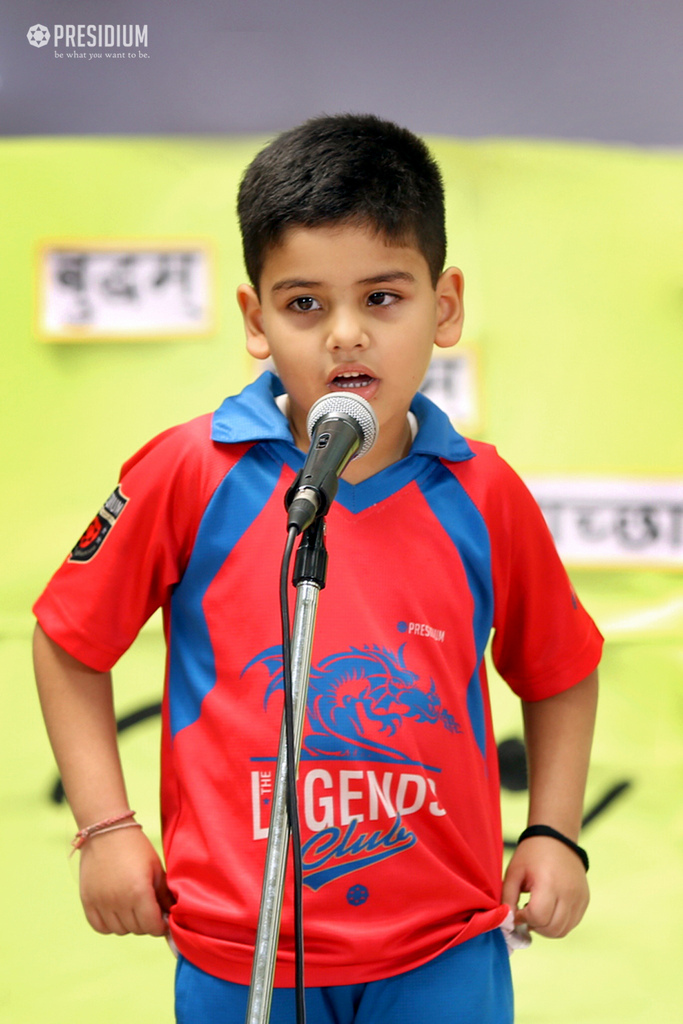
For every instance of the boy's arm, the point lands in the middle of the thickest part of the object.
(122, 881)
(559, 732)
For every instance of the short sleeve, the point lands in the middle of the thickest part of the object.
(134, 551)
(544, 640)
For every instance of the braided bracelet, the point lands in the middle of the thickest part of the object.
(106, 825)
(552, 833)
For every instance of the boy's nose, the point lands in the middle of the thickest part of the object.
(346, 331)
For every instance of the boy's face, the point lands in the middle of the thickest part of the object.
(341, 309)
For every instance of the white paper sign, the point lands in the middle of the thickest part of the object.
(605, 522)
(124, 292)
(451, 382)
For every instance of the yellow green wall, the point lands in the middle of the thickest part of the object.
(573, 257)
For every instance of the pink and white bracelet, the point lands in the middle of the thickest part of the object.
(106, 825)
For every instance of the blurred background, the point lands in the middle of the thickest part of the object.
(559, 129)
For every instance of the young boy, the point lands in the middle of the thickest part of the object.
(433, 543)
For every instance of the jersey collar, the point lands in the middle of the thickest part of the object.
(253, 416)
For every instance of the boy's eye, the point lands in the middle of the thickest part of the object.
(304, 304)
(382, 299)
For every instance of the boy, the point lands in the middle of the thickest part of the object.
(433, 543)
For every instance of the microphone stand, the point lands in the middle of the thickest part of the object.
(310, 571)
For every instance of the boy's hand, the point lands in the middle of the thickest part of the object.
(123, 884)
(556, 880)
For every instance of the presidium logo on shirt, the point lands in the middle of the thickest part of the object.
(99, 529)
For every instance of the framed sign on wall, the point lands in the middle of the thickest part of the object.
(125, 290)
(614, 522)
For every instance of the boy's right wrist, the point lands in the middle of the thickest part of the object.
(126, 819)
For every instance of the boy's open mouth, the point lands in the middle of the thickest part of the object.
(355, 381)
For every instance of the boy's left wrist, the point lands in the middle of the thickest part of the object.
(547, 831)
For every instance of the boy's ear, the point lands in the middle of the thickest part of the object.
(450, 309)
(252, 314)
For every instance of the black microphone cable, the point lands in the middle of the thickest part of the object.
(292, 801)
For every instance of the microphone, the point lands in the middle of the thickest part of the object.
(341, 427)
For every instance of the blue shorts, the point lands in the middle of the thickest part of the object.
(469, 984)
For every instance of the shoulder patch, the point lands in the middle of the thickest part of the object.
(98, 530)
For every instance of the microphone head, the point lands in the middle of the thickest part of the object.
(352, 407)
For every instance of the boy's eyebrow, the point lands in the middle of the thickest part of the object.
(386, 278)
(294, 282)
(391, 275)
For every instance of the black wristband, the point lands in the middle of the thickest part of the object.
(552, 833)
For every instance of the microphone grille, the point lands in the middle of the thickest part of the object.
(354, 407)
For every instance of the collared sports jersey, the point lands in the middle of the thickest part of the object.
(399, 780)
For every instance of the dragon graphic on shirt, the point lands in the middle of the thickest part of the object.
(355, 694)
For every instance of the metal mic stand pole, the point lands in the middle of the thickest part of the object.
(309, 577)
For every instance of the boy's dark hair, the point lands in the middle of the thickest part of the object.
(353, 168)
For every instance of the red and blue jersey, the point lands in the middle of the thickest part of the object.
(428, 560)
